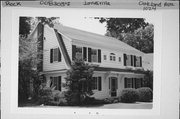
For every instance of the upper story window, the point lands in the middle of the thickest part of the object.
(132, 60)
(79, 52)
(55, 55)
(94, 55)
(112, 57)
(105, 57)
(86, 53)
(119, 59)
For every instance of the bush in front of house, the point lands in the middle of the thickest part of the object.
(145, 94)
(129, 95)
(45, 96)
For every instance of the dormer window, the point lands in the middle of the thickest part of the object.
(79, 52)
(112, 57)
(94, 56)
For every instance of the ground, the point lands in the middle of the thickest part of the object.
(138, 105)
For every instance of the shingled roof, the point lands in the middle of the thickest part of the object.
(93, 38)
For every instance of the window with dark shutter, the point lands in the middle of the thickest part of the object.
(99, 55)
(89, 54)
(73, 52)
(125, 82)
(51, 55)
(85, 53)
(99, 83)
(59, 83)
(59, 55)
(125, 58)
(134, 61)
(140, 61)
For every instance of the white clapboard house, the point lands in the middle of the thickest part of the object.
(119, 63)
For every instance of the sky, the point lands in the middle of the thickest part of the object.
(86, 24)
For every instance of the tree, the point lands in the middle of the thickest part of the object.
(148, 79)
(123, 25)
(141, 39)
(78, 82)
(29, 56)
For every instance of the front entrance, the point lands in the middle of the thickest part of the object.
(113, 85)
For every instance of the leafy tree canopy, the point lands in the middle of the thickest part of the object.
(123, 25)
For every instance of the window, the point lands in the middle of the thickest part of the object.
(138, 83)
(55, 55)
(96, 83)
(112, 57)
(128, 61)
(56, 82)
(79, 52)
(129, 83)
(105, 57)
(133, 82)
(119, 59)
(94, 55)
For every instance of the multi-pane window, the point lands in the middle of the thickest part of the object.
(119, 59)
(129, 83)
(55, 55)
(133, 82)
(138, 62)
(128, 61)
(56, 82)
(96, 83)
(79, 52)
(138, 83)
(94, 55)
(112, 57)
(105, 57)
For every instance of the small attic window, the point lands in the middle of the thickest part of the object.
(112, 57)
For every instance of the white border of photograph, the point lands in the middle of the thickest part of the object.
(10, 61)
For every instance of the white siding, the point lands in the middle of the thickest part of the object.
(50, 42)
(107, 62)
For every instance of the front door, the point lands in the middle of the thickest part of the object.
(113, 86)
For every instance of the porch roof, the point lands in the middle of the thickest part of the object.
(119, 70)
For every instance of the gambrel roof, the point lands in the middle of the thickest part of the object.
(93, 38)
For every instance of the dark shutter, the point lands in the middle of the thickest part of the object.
(132, 82)
(51, 81)
(109, 83)
(89, 54)
(85, 53)
(59, 55)
(134, 61)
(59, 82)
(51, 55)
(140, 61)
(99, 83)
(99, 55)
(125, 82)
(73, 52)
(116, 81)
(125, 58)
(135, 80)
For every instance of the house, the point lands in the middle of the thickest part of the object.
(120, 65)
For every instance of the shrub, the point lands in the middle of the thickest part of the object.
(145, 94)
(129, 95)
(45, 96)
